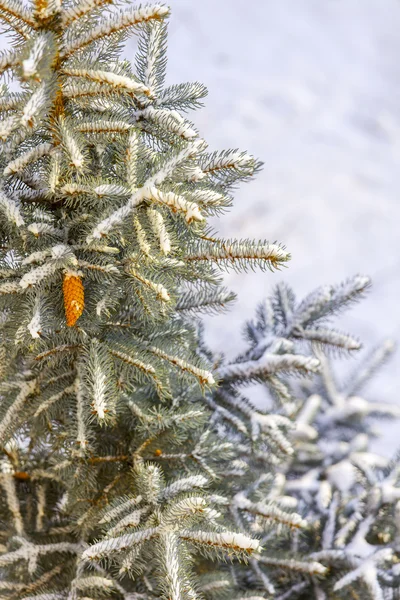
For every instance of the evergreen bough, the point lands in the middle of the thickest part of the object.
(125, 471)
(303, 463)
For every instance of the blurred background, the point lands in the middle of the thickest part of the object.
(312, 88)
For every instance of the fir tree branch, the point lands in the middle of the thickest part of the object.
(127, 19)
(16, 10)
(109, 78)
(229, 253)
(75, 12)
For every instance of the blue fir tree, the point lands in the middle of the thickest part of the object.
(132, 467)
(105, 191)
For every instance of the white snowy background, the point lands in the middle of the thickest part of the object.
(312, 88)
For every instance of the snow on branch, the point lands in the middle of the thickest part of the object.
(81, 434)
(113, 513)
(40, 229)
(183, 96)
(268, 364)
(270, 512)
(226, 253)
(48, 402)
(204, 300)
(176, 203)
(11, 415)
(185, 484)
(8, 60)
(11, 210)
(112, 79)
(151, 57)
(77, 11)
(7, 482)
(368, 573)
(133, 519)
(357, 407)
(32, 552)
(169, 166)
(141, 236)
(103, 126)
(272, 426)
(205, 377)
(20, 163)
(324, 336)
(132, 158)
(110, 189)
(145, 192)
(110, 546)
(147, 369)
(45, 10)
(168, 120)
(310, 568)
(329, 300)
(56, 252)
(210, 199)
(72, 144)
(8, 126)
(99, 380)
(36, 275)
(174, 582)
(158, 226)
(9, 287)
(115, 23)
(228, 416)
(158, 289)
(13, 101)
(35, 326)
(17, 10)
(42, 49)
(231, 160)
(36, 105)
(226, 540)
(293, 592)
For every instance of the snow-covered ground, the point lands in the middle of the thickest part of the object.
(312, 87)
